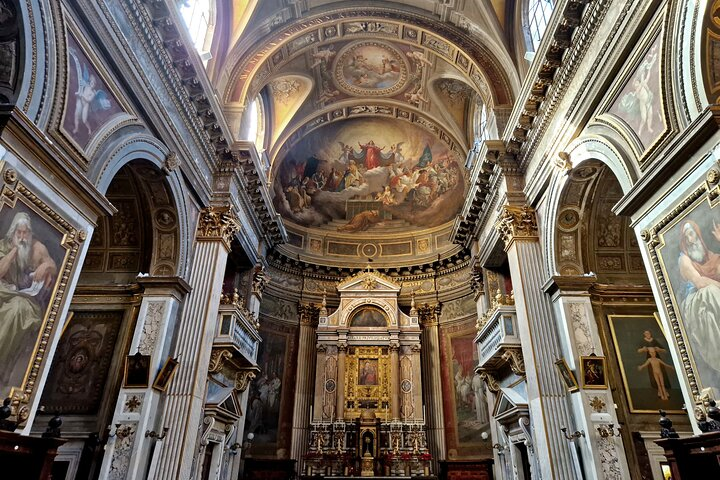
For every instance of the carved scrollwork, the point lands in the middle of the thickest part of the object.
(217, 222)
(515, 358)
(171, 162)
(218, 359)
(429, 314)
(260, 280)
(309, 314)
(489, 380)
(243, 379)
(517, 222)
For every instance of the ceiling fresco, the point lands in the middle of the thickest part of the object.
(369, 174)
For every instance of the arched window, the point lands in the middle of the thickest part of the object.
(539, 12)
(199, 19)
(256, 123)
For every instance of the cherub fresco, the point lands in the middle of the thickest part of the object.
(89, 98)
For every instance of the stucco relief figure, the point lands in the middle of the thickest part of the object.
(700, 268)
(27, 275)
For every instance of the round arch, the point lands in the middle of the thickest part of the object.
(169, 207)
(583, 151)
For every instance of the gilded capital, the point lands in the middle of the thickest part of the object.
(429, 314)
(517, 222)
(217, 223)
(309, 314)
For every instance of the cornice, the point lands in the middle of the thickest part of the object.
(551, 73)
(296, 266)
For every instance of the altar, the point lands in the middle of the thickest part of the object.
(367, 418)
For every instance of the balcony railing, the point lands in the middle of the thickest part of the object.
(498, 333)
(237, 328)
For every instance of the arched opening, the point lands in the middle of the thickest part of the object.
(538, 16)
(87, 369)
(199, 17)
(591, 240)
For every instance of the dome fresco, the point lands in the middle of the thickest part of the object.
(367, 174)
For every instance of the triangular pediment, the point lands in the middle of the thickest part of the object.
(509, 403)
(368, 281)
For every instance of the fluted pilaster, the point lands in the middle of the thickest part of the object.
(540, 344)
(340, 408)
(395, 380)
(304, 390)
(435, 420)
(186, 394)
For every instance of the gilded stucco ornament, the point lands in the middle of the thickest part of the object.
(517, 222)
(217, 222)
(243, 379)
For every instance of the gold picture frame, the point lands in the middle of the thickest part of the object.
(165, 375)
(62, 242)
(593, 372)
(568, 377)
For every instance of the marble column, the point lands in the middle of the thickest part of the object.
(340, 408)
(136, 410)
(603, 457)
(394, 380)
(185, 398)
(435, 421)
(304, 386)
(547, 397)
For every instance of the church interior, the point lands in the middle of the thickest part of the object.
(304, 239)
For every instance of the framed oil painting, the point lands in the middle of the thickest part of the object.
(567, 375)
(37, 250)
(165, 375)
(368, 372)
(688, 255)
(137, 371)
(648, 372)
(593, 372)
(369, 317)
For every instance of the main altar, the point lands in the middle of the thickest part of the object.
(368, 418)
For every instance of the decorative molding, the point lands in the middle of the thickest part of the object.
(218, 359)
(514, 357)
(217, 223)
(309, 314)
(517, 223)
(243, 379)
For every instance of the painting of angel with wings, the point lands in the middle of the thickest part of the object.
(89, 105)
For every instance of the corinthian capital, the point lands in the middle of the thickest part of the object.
(517, 222)
(309, 314)
(429, 314)
(217, 223)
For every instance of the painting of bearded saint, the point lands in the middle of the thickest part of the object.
(30, 256)
(689, 255)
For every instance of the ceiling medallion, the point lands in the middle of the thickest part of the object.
(370, 68)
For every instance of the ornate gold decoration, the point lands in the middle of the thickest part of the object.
(562, 162)
(217, 223)
(517, 223)
(243, 379)
(514, 357)
(132, 403)
(597, 404)
(497, 300)
(713, 176)
(367, 275)
(9, 195)
(489, 379)
(218, 359)
(309, 314)
(10, 176)
(260, 279)
(430, 314)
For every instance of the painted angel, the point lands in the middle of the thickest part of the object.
(88, 98)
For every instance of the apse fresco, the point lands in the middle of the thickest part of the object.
(369, 175)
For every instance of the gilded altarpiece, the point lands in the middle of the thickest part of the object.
(367, 372)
